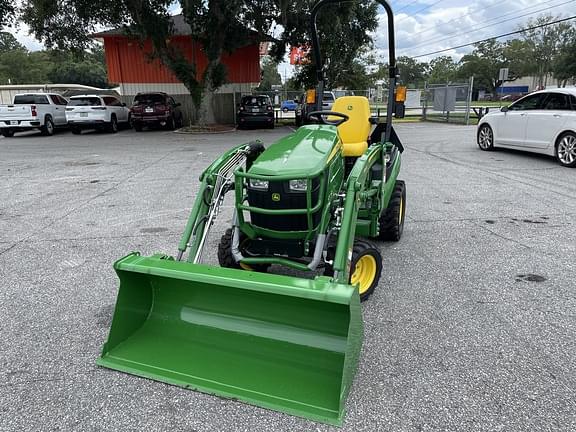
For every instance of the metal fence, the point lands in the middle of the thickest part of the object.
(450, 103)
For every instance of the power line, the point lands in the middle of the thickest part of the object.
(475, 29)
(421, 10)
(427, 29)
(496, 37)
(405, 6)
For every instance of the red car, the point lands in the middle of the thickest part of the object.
(155, 109)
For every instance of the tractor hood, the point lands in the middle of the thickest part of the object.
(304, 153)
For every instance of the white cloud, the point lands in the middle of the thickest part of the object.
(449, 23)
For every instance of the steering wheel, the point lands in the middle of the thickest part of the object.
(320, 116)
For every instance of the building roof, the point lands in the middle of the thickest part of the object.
(181, 28)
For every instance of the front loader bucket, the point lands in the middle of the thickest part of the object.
(279, 342)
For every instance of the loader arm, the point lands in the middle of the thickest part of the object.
(214, 182)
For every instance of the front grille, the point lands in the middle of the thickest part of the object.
(288, 200)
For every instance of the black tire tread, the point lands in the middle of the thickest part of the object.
(390, 229)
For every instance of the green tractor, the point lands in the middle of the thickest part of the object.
(309, 202)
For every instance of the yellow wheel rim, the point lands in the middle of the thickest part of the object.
(364, 273)
(401, 215)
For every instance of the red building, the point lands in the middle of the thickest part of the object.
(130, 65)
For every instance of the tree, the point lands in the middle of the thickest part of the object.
(9, 43)
(270, 75)
(220, 25)
(412, 72)
(545, 43)
(565, 66)
(344, 32)
(484, 63)
(7, 12)
(442, 69)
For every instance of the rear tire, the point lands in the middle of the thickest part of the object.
(485, 138)
(566, 150)
(225, 258)
(76, 130)
(392, 220)
(171, 124)
(137, 127)
(48, 128)
(113, 125)
(7, 133)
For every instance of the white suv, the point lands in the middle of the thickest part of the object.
(96, 112)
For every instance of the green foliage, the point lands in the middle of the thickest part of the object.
(18, 66)
(545, 44)
(565, 66)
(442, 70)
(270, 74)
(344, 31)
(9, 43)
(7, 12)
(412, 71)
(484, 64)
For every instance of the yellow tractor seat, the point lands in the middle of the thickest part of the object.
(354, 132)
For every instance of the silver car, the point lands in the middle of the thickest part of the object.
(542, 122)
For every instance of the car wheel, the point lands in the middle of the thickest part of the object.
(566, 150)
(171, 124)
(76, 130)
(7, 133)
(137, 126)
(485, 138)
(48, 128)
(113, 125)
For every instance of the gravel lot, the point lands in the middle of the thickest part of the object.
(473, 326)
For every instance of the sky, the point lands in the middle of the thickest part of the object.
(425, 26)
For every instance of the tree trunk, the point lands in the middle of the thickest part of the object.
(206, 114)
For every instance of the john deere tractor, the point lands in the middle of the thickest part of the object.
(314, 201)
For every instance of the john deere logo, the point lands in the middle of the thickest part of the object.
(350, 107)
(276, 197)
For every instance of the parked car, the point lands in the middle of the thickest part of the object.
(156, 109)
(304, 108)
(542, 122)
(255, 110)
(289, 105)
(44, 111)
(328, 100)
(101, 112)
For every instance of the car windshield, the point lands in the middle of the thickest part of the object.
(255, 101)
(328, 97)
(85, 101)
(147, 99)
(30, 99)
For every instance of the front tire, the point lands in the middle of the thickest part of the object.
(566, 150)
(485, 138)
(366, 267)
(392, 219)
(48, 128)
(226, 259)
(7, 133)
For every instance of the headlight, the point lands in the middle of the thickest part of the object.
(259, 184)
(299, 185)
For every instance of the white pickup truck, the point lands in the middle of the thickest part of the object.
(44, 111)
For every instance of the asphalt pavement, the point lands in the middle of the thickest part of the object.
(472, 327)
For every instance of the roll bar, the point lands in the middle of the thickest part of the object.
(392, 68)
